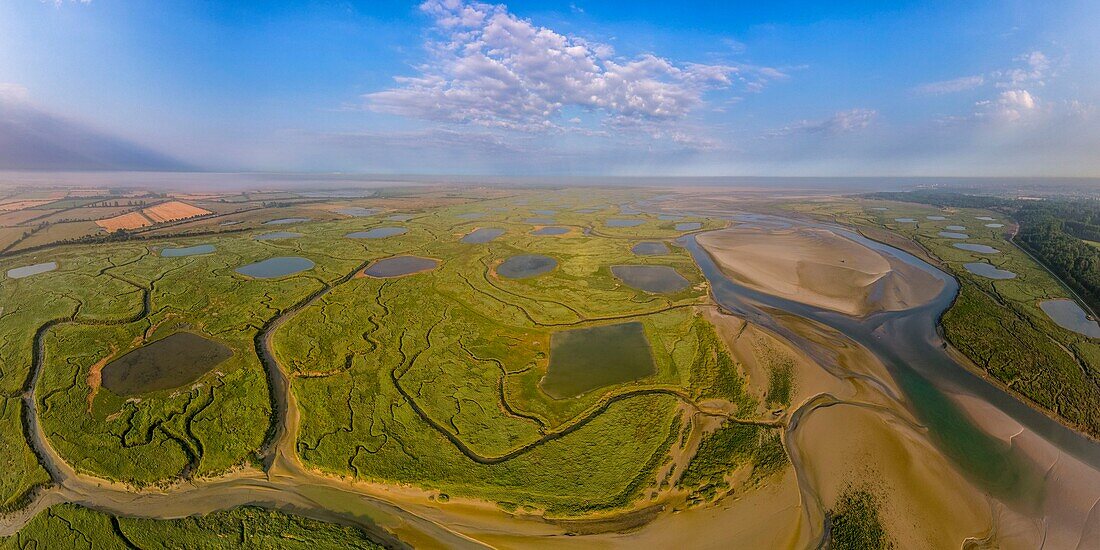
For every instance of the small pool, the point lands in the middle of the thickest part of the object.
(953, 235)
(955, 228)
(276, 235)
(995, 225)
(986, 270)
(905, 220)
(936, 218)
(1068, 315)
(526, 265)
(377, 233)
(657, 279)
(272, 268)
(979, 248)
(357, 211)
(187, 251)
(399, 217)
(400, 266)
(482, 235)
(650, 248)
(552, 230)
(28, 270)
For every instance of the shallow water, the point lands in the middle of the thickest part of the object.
(170, 362)
(399, 217)
(659, 279)
(526, 265)
(482, 235)
(669, 217)
(471, 215)
(936, 218)
(1069, 315)
(28, 270)
(545, 212)
(285, 221)
(399, 266)
(582, 360)
(650, 248)
(688, 226)
(276, 267)
(988, 271)
(187, 251)
(277, 235)
(984, 218)
(905, 220)
(952, 235)
(955, 228)
(377, 233)
(553, 230)
(541, 221)
(624, 223)
(979, 248)
(995, 225)
(357, 211)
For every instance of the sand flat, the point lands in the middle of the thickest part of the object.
(820, 268)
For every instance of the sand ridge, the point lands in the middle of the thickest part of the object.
(818, 267)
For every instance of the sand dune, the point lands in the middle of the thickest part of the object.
(819, 268)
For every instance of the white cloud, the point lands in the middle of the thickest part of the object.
(960, 84)
(13, 93)
(1010, 106)
(1035, 70)
(492, 69)
(841, 122)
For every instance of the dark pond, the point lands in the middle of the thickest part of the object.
(171, 362)
(187, 251)
(688, 226)
(624, 223)
(482, 235)
(650, 278)
(1068, 315)
(28, 270)
(995, 225)
(952, 235)
(545, 212)
(936, 218)
(471, 215)
(553, 230)
(277, 235)
(399, 266)
(979, 248)
(585, 359)
(650, 248)
(357, 211)
(400, 217)
(377, 233)
(540, 221)
(987, 270)
(285, 221)
(275, 267)
(526, 265)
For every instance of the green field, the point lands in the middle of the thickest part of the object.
(431, 380)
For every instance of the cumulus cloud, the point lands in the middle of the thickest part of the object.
(492, 69)
(1010, 106)
(960, 84)
(839, 123)
(1035, 69)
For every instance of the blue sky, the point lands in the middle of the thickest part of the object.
(542, 88)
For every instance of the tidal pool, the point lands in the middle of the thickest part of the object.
(482, 235)
(277, 235)
(979, 248)
(650, 278)
(985, 218)
(585, 359)
(688, 226)
(987, 270)
(936, 218)
(399, 217)
(952, 235)
(285, 221)
(377, 233)
(399, 266)
(624, 223)
(173, 361)
(1068, 315)
(955, 228)
(526, 265)
(28, 270)
(650, 248)
(187, 251)
(553, 230)
(357, 211)
(540, 221)
(879, 208)
(276, 267)
(545, 212)
(905, 220)
(995, 225)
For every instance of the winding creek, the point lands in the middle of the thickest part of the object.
(907, 342)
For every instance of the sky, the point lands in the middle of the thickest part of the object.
(543, 88)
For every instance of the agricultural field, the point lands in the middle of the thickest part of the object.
(995, 322)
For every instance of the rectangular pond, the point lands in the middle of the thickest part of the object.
(171, 362)
(586, 359)
(28, 270)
